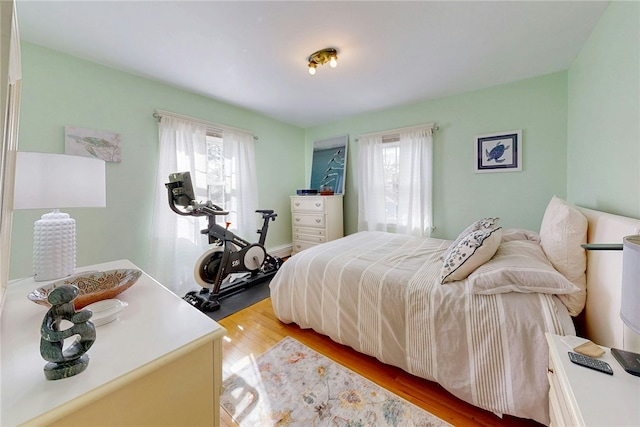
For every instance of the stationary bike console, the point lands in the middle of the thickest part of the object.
(232, 264)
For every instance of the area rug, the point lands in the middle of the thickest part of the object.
(293, 385)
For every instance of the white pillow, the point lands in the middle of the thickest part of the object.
(481, 224)
(562, 231)
(519, 266)
(471, 252)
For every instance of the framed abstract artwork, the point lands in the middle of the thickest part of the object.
(498, 152)
(328, 165)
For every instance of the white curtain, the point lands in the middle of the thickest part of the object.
(176, 241)
(371, 194)
(414, 186)
(241, 183)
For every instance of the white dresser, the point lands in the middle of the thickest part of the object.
(159, 364)
(315, 220)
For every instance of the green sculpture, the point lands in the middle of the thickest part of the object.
(64, 363)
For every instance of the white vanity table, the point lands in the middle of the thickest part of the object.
(159, 364)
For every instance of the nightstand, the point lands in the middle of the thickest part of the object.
(579, 396)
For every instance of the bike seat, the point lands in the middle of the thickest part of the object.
(265, 211)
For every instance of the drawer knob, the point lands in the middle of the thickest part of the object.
(318, 204)
(297, 219)
(297, 203)
(318, 220)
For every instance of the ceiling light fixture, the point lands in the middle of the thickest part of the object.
(323, 56)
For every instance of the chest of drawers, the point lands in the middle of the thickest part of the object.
(315, 220)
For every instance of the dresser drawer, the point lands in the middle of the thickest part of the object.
(307, 203)
(300, 245)
(308, 220)
(316, 232)
(309, 238)
(558, 410)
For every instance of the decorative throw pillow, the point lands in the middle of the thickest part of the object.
(519, 266)
(471, 252)
(481, 224)
(562, 231)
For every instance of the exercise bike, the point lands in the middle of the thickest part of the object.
(230, 256)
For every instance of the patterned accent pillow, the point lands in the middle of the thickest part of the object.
(471, 252)
(481, 224)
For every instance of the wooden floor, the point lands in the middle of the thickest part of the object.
(254, 330)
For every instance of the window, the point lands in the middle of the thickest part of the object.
(391, 160)
(394, 181)
(221, 172)
(215, 170)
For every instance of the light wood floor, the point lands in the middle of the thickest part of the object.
(254, 330)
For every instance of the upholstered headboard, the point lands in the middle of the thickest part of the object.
(604, 273)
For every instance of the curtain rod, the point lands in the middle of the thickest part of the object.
(217, 127)
(433, 126)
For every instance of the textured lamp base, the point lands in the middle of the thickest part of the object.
(54, 246)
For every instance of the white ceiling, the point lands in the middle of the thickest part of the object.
(253, 54)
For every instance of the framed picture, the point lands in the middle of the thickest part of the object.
(92, 143)
(328, 165)
(498, 152)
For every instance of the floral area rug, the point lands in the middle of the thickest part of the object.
(292, 385)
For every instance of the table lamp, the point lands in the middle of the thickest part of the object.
(630, 308)
(54, 181)
(630, 304)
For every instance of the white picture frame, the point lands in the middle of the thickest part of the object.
(498, 152)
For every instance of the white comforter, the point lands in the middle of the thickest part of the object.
(378, 293)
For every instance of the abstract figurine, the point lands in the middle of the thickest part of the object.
(64, 363)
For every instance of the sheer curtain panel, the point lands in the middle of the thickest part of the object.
(414, 186)
(241, 183)
(371, 195)
(176, 241)
(415, 183)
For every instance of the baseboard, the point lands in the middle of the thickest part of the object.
(281, 251)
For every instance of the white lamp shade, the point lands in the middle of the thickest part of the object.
(630, 307)
(46, 180)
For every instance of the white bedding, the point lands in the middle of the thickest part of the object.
(379, 294)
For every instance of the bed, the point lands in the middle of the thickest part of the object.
(475, 325)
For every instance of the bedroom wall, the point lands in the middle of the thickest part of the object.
(538, 106)
(61, 90)
(604, 115)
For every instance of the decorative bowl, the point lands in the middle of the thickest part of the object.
(93, 286)
(105, 311)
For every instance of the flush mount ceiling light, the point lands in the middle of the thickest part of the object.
(323, 56)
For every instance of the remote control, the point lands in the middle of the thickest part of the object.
(590, 362)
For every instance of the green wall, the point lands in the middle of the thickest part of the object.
(59, 90)
(538, 106)
(604, 115)
(581, 141)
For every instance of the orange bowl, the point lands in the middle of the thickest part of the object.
(93, 286)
